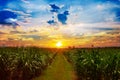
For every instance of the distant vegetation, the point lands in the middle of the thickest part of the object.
(23, 63)
(95, 64)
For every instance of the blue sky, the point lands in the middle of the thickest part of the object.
(51, 19)
(80, 11)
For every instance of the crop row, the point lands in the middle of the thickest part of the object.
(95, 64)
(23, 63)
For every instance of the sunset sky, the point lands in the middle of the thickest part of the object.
(44, 23)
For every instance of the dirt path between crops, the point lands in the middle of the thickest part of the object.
(60, 69)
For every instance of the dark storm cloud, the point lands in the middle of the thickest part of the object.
(51, 22)
(54, 7)
(118, 15)
(12, 10)
(63, 17)
(8, 18)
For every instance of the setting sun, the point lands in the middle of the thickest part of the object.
(59, 44)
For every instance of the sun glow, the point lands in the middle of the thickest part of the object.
(59, 44)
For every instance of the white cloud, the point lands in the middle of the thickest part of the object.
(93, 13)
(10, 20)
